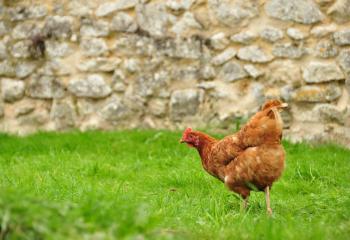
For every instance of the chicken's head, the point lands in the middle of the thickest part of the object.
(274, 103)
(190, 137)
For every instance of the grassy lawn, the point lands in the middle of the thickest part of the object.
(145, 185)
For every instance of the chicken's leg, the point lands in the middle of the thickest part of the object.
(245, 202)
(244, 205)
(267, 197)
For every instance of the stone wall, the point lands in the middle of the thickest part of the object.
(95, 64)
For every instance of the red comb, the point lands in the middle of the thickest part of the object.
(188, 130)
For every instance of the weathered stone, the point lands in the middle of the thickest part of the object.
(187, 22)
(295, 34)
(20, 49)
(342, 37)
(304, 113)
(119, 87)
(24, 30)
(56, 67)
(134, 101)
(150, 84)
(185, 103)
(141, 45)
(207, 85)
(58, 8)
(219, 41)
(326, 49)
(99, 65)
(288, 50)
(3, 50)
(58, 26)
(329, 113)
(253, 71)
(63, 114)
(79, 9)
(158, 107)
(74, 38)
(24, 69)
(202, 17)
(272, 93)
(35, 121)
(2, 111)
(317, 93)
(118, 81)
(46, 87)
(118, 76)
(283, 72)
(340, 11)
(110, 7)
(12, 90)
(232, 71)
(323, 30)
(300, 11)
(347, 87)
(37, 11)
(344, 60)
(127, 44)
(245, 37)
(323, 3)
(341, 135)
(115, 110)
(3, 29)
(233, 13)
(343, 102)
(314, 114)
(92, 123)
(94, 47)
(316, 72)
(24, 107)
(57, 49)
(7, 68)
(286, 93)
(123, 22)
(87, 106)
(190, 48)
(223, 57)
(17, 13)
(91, 28)
(27, 12)
(271, 34)
(250, 98)
(94, 86)
(132, 65)
(153, 18)
(254, 54)
(186, 73)
(207, 72)
(178, 5)
(154, 63)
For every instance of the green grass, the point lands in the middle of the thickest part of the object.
(145, 185)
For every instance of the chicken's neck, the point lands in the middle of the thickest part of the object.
(206, 142)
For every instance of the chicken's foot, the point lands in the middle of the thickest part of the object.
(267, 197)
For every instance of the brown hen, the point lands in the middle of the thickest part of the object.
(253, 158)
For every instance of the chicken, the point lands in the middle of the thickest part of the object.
(253, 158)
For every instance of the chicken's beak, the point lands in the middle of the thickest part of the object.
(181, 141)
(284, 105)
